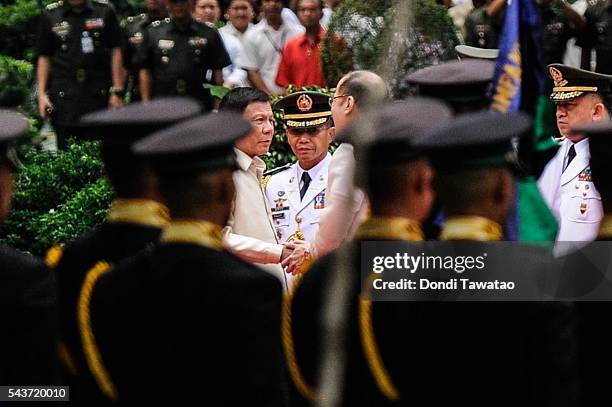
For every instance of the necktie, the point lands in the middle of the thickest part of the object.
(305, 184)
(570, 156)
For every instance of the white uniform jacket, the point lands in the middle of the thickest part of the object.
(289, 213)
(571, 194)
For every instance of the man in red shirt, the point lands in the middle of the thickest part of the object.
(301, 62)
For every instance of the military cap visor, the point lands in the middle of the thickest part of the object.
(201, 144)
(475, 140)
(455, 81)
(132, 122)
(467, 51)
(396, 127)
(303, 110)
(570, 83)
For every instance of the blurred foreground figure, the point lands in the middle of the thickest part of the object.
(586, 273)
(399, 183)
(186, 314)
(28, 343)
(135, 219)
(525, 351)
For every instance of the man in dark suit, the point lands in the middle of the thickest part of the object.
(136, 216)
(28, 311)
(187, 323)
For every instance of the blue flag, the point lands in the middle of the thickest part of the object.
(519, 84)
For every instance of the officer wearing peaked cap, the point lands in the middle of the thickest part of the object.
(187, 305)
(28, 347)
(581, 97)
(464, 84)
(134, 221)
(296, 193)
(399, 185)
(474, 166)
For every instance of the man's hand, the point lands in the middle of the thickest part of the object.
(287, 250)
(294, 262)
(45, 107)
(114, 102)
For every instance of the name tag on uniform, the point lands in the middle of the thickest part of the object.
(319, 201)
(87, 45)
(94, 23)
(165, 44)
(197, 41)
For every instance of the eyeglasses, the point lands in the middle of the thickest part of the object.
(331, 98)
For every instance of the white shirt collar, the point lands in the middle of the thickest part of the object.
(245, 163)
(582, 148)
(314, 171)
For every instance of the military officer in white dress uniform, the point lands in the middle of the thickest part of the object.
(296, 193)
(581, 97)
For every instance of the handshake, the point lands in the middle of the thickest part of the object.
(294, 254)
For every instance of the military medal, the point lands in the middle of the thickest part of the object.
(319, 201)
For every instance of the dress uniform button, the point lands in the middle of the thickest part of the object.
(577, 186)
(198, 52)
(61, 93)
(298, 219)
(96, 34)
(64, 47)
(165, 59)
(584, 194)
(586, 186)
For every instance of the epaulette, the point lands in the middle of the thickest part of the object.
(55, 5)
(211, 25)
(133, 19)
(277, 169)
(268, 174)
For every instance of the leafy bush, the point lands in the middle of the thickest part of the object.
(15, 81)
(58, 195)
(361, 36)
(19, 28)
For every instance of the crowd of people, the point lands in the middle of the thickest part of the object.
(215, 280)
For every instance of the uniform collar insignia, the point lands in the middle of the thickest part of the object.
(194, 231)
(390, 228)
(139, 211)
(475, 228)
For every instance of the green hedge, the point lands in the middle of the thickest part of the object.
(15, 81)
(58, 195)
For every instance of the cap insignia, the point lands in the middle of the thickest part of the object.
(304, 103)
(557, 77)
